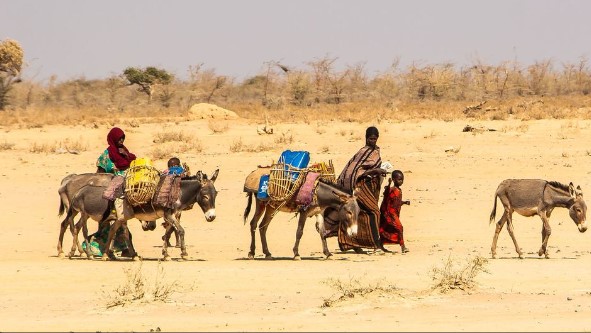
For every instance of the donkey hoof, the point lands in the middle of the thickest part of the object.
(269, 257)
(185, 257)
(83, 255)
(105, 258)
(297, 258)
(137, 258)
(166, 258)
(328, 257)
(60, 255)
(250, 256)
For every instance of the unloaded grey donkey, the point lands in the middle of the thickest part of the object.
(529, 197)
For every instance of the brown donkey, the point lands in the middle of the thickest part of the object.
(530, 197)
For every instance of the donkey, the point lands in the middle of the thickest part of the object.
(69, 186)
(327, 195)
(196, 189)
(530, 197)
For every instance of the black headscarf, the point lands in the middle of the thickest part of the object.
(372, 130)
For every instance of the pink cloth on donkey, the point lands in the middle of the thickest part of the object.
(306, 191)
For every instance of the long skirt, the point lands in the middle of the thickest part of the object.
(368, 232)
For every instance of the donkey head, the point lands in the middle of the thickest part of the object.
(348, 212)
(578, 210)
(207, 194)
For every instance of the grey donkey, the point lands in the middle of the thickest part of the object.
(529, 197)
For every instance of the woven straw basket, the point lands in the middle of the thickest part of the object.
(325, 170)
(140, 183)
(284, 180)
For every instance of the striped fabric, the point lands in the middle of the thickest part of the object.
(367, 158)
(369, 217)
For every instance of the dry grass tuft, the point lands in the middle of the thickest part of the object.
(6, 145)
(163, 137)
(239, 146)
(67, 146)
(354, 288)
(521, 128)
(284, 138)
(167, 150)
(173, 143)
(451, 277)
(217, 127)
(137, 288)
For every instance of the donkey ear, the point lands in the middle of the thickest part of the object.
(579, 191)
(215, 175)
(571, 189)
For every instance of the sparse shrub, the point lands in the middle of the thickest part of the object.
(450, 277)
(237, 146)
(72, 146)
(163, 137)
(353, 288)
(166, 150)
(138, 288)
(6, 145)
(38, 148)
(284, 138)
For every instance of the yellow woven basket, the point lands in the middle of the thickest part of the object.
(141, 180)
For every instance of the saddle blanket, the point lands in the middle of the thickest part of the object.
(168, 191)
(306, 191)
(114, 189)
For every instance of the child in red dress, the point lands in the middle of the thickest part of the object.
(391, 230)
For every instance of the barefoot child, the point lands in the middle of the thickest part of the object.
(391, 230)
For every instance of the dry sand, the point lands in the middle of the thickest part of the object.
(218, 289)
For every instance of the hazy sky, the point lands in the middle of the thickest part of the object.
(97, 39)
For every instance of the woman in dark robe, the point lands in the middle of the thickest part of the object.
(363, 175)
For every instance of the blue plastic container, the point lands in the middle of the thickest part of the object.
(262, 193)
(297, 159)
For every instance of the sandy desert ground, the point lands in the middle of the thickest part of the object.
(219, 289)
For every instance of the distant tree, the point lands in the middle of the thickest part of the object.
(218, 84)
(147, 79)
(11, 64)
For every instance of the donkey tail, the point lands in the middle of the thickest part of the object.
(62, 208)
(248, 205)
(494, 211)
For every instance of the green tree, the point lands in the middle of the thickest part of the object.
(147, 79)
(11, 64)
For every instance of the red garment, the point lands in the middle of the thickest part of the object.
(120, 155)
(390, 227)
